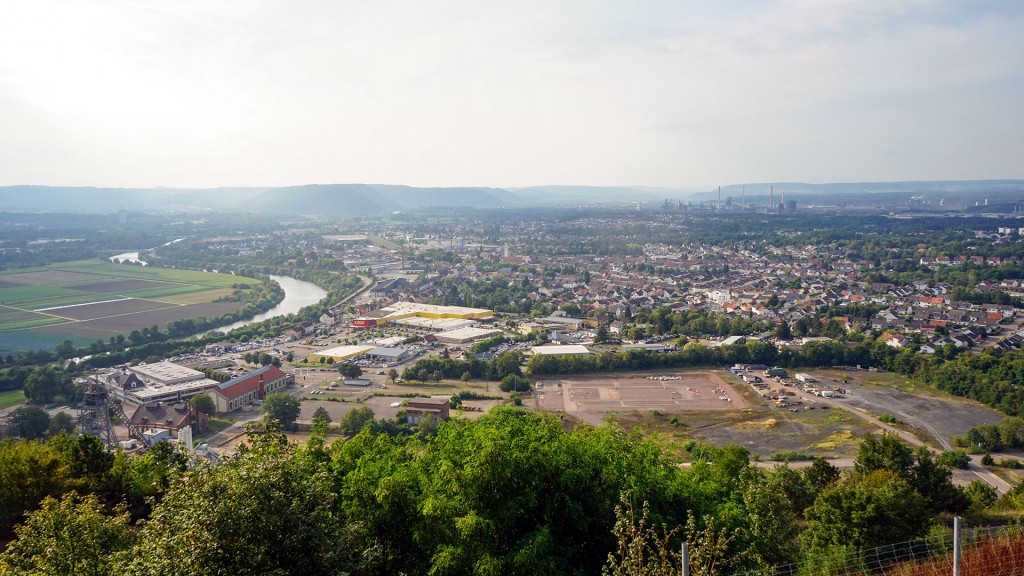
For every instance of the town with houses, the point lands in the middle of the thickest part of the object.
(429, 293)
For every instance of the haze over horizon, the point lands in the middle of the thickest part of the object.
(662, 94)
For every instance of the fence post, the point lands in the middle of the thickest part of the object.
(686, 559)
(956, 546)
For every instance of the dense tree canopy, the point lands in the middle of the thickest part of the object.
(510, 492)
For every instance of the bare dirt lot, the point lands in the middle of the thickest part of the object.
(105, 309)
(766, 431)
(126, 322)
(940, 416)
(591, 398)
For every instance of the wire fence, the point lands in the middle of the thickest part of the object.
(983, 551)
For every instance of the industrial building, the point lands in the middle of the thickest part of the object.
(157, 382)
(418, 409)
(465, 335)
(169, 417)
(386, 355)
(339, 353)
(386, 288)
(400, 310)
(233, 394)
(555, 350)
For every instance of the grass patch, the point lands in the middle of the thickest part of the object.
(41, 296)
(765, 425)
(220, 424)
(441, 384)
(208, 295)
(836, 439)
(11, 398)
(791, 456)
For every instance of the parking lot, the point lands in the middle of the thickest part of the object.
(593, 398)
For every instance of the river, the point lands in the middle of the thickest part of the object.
(297, 295)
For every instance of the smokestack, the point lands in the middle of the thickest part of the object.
(719, 198)
(771, 198)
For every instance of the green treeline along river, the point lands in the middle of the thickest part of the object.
(297, 295)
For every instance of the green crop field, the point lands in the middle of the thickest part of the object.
(148, 273)
(89, 283)
(11, 398)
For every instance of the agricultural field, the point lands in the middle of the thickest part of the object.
(11, 398)
(85, 300)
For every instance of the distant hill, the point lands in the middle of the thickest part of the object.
(938, 188)
(574, 195)
(366, 199)
(322, 199)
(334, 200)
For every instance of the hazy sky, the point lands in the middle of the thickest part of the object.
(446, 93)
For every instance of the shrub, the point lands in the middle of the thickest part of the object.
(955, 459)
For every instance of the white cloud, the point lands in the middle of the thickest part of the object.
(476, 93)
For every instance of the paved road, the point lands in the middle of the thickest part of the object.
(230, 432)
(1001, 486)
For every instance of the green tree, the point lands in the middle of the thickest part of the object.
(267, 511)
(44, 384)
(783, 332)
(29, 472)
(89, 462)
(981, 495)
(72, 536)
(62, 422)
(349, 370)
(28, 422)
(392, 375)
(885, 452)
(865, 511)
(821, 474)
(507, 363)
(513, 383)
(281, 407)
(202, 403)
(771, 522)
(955, 459)
(356, 418)
(322, 415)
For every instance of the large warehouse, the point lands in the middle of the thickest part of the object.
(340, 353)
(465, 335)
(556, 350)
(400, 310)
(157, 382)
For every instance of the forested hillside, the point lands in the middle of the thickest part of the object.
(511, 493)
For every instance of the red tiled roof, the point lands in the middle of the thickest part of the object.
(248, 382)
